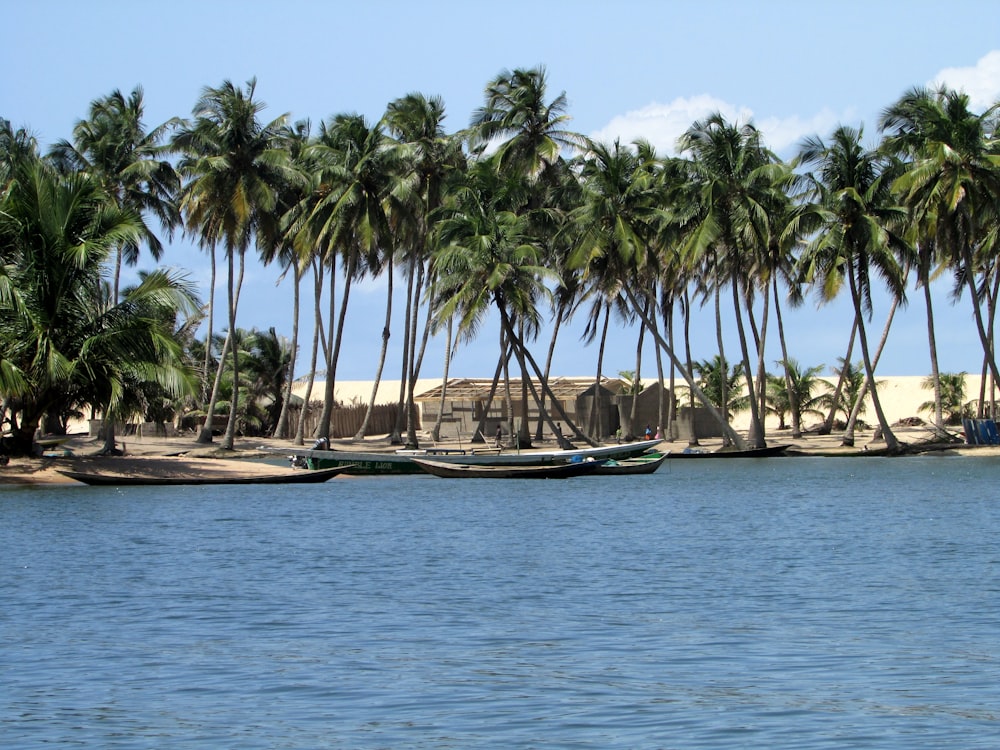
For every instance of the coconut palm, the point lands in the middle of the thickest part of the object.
(859, 233)
(952, 389)
(345, 218)
(735, 176)
(65, 342)
(951, 186)
(486, 261)
(129, 161)
(529, 133)
(232, 163)
(782, 401)
(428, 159)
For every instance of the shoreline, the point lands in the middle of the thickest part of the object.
(183, 455)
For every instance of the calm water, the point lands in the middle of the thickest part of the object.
(799, 603)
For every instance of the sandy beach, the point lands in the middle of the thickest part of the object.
(901, 398)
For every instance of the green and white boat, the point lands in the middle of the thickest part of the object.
(401, 462)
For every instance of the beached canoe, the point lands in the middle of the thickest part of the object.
(549, 471)
(403, 462)
(112, 479)
(645, 464)
(770, 451)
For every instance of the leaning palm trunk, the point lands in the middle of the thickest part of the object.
(329, 382)
(548, 362)
(300, 428)
(227, 439)
(698, 393)
(984, 338)
(724, 379)
(633, 415)
(416, 362)
(518, 345)
(436, 431)
(693, 439)
(827, 426)
(891, 443)
(594, 427)
(363, 429)
(281, 428)
(331, 372)
(397, 433)
(756, 426)
(793, 395)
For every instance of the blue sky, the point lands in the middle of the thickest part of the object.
(629, 69)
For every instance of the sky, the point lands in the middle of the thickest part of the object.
(629, 69)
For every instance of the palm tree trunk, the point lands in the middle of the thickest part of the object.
(227, 439)
(594, 427)
(827, 426)
(685, 373)
(689, 363)
(281, 429)
(397, 434)
(574, 429)
(557, 324)
(329, 382)
(756, 426)
(416, 357)
(637, 381)
(386, 333)
(793, 396)
(984, 339)
(436, 432)
(300, 429)
(891, 443)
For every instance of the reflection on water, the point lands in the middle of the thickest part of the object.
(808, 603)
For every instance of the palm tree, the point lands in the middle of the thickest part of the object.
(951, 187)
(530, 132)
(292, 192)
(951, 386)
(735, 177)
(233, 164)
(114, 146)
(782, 401)
(859, 233)
(345, 219)
(65, 342)
(428, 160)
(486, 261)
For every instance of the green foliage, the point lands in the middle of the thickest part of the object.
(953, 403)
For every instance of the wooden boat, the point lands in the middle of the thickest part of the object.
(770, 451)
(403, 462)
(549, 471)
(111, 479)
(644, 464)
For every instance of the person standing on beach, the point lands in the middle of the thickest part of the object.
(499, 436)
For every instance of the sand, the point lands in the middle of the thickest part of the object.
(901, 397)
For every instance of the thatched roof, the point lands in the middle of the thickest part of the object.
(478, 389)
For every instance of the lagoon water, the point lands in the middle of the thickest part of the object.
(796, 603)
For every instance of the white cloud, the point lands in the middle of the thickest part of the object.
(981, 82)
(663, 124)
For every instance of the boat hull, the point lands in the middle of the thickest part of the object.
(404, 463)
(636, 465)
(550, 471)
(770, 451)
(120, 480)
